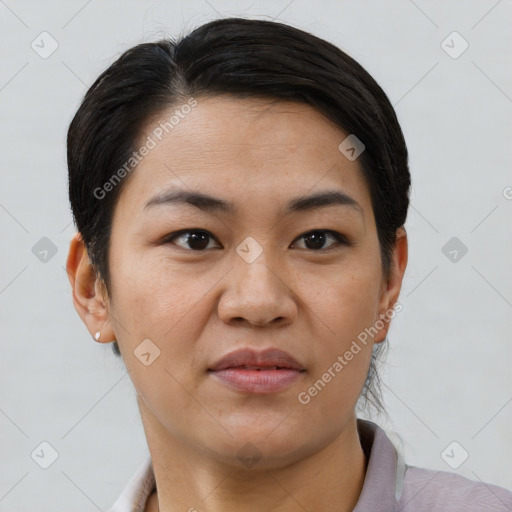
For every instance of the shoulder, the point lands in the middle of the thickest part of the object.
(437, 491)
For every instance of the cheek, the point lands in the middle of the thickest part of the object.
(344, 303)
(342, 349)
(345, 299)
(156, 298)
(157, 304)
(169, 306)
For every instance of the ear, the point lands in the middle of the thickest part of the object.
(391, 288)
(89, 293)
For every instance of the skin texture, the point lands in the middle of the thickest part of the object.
(196, 306)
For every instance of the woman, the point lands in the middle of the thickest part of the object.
(248, 270)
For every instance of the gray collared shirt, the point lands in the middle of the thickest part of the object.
(390, 485)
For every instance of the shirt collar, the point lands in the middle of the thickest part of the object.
(383, 483)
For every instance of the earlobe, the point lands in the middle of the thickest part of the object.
(89, 302)
(391, 288)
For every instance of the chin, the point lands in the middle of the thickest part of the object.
(253, 448)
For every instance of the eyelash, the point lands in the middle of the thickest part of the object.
(341, 239)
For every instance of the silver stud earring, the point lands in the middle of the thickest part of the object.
(97, 336)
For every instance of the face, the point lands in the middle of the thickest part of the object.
(200, 280)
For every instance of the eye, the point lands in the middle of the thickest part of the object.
(196, 238)
(317, 238)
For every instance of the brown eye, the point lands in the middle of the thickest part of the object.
(195, 239)
(315, 240)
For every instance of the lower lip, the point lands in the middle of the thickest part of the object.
(258, 381)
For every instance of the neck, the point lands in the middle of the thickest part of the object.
(189, 479)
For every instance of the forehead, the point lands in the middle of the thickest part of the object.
(244, 150)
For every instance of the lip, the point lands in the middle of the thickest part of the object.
(253, 371)
(257, 358)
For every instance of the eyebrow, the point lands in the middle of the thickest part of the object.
(212, 204)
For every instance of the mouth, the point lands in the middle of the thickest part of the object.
(258, 368)
(251, 371)
(252, 359)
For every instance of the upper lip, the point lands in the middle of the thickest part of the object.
(257, 358)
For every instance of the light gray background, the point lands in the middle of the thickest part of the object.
(448, 374)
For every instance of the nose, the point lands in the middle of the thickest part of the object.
(257, 294)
